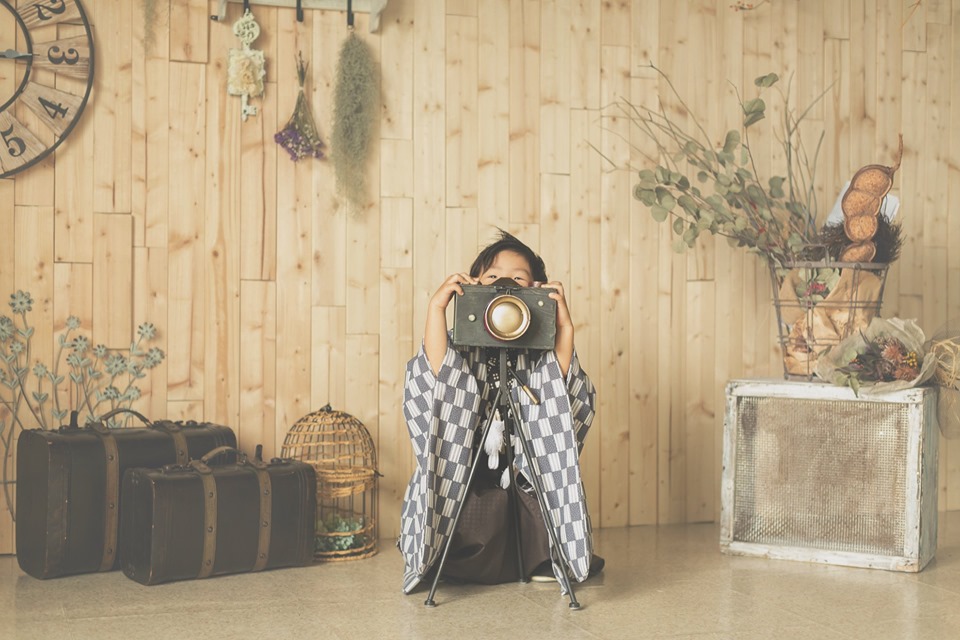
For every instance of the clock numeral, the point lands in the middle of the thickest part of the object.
(53, 109)
(15, 146)
(56, 56)
(55, 7)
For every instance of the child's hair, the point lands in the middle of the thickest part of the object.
(507, 242)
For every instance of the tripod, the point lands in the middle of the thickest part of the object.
(507, 406)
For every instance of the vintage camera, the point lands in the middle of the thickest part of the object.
(504, 314)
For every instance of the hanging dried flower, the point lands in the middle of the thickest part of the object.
(355, 104)
(300, 137)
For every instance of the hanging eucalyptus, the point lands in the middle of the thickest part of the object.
(354, 115)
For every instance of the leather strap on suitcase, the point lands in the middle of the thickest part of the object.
(112, 499)
(179, 440)
(210, 508)
(112, 485)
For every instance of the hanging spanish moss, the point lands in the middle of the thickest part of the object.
(355, 105)
(151, 15)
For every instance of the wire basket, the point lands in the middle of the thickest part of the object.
(818, 304)
(340, 449)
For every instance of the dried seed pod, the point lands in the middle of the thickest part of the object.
(860, 228)
(872, 179)
(860, 203)
(859, 252)
(861, 208)
(868, 187)
(876, 179)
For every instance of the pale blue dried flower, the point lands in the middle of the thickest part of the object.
(115, 364)
(133, 393)
(147, 331)
(100, 351)
(73, 322)
(111, 393)
(21, 302)
(39, 370)
(74, 360)
(153, 358)
(17, 347)
(81, 344)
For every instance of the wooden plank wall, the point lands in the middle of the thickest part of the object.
(273, 300)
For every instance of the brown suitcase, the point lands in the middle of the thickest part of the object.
(68, 484)
(197, 520)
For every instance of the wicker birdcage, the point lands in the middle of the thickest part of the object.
(341, 451)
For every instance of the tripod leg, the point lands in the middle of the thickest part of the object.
(506, 409)
(515, 498)
(456, 518)
(544, 507)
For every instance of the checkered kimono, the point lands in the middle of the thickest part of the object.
(443, 417)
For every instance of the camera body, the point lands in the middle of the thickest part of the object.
(506, 315)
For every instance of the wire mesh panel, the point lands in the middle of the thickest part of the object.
(830, 477)
(812, 472)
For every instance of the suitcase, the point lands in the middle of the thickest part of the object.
(68, 481)
(196, 520)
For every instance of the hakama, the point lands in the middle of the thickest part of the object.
(445, 414)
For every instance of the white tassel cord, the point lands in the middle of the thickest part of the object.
(494, 442)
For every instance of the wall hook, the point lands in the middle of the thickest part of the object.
(372, 7)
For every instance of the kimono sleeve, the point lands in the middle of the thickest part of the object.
(583, 398)
(441, 415)
(450, 397)
(554, 427)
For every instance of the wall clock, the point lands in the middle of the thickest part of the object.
(46, 69)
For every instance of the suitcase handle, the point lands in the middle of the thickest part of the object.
(213, 453)
(102, 422)
(202, 465)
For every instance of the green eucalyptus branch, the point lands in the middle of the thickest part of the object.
(776, 219)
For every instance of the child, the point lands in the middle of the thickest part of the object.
(448, 397)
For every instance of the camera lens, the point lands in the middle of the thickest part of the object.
(507, 317)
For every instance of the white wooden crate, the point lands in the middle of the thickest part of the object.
(813, 473)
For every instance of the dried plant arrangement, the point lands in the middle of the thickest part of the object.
(827, 282)
(300, 137)
(888, 355)
(355, 107)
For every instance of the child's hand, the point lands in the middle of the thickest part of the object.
(563, 313)
(564, 343)
(450, 286)
(435, 333)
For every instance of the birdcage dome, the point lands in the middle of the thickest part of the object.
(339, 447)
